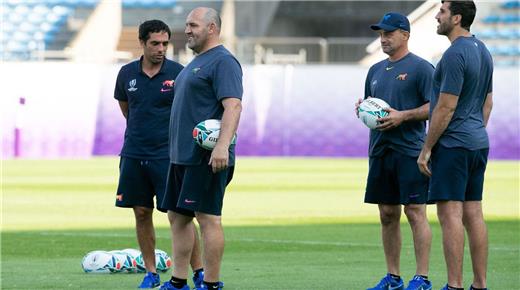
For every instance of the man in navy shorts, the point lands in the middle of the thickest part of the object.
(210, 87)
(404, 81)
(456, 147)
(144, 89)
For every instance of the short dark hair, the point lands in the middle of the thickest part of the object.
(151, 26)
(466, 9)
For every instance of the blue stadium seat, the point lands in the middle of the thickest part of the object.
(513, 4)
(510, 18)
(491, 19)
(15, 46)
(503, 33)
(487, 34)
(509, 33)
(165, 3)
(148, 4)
(505, 50)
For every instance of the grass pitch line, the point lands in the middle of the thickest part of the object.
(250, 240)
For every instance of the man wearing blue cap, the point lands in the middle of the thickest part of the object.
(404, 81)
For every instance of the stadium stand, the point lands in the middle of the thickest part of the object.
(500, 29)
(29, 27)
(283, 31)
(173, 12)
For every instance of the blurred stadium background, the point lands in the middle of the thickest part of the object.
(304, 66)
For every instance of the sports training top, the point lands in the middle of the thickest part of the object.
(199, 90)
(149, 104)
(404, 84)
(465, 70)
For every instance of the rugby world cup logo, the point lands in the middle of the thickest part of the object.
(132, 84)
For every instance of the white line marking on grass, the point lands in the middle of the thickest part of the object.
(313, 243)
(74, 234)
(250, 240)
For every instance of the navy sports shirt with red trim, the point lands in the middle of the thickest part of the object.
(149, 106)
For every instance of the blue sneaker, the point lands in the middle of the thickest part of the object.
(389, 283)
(204, 287)
(419, 283)
(197, 281)
(150, 280)
(168, 286)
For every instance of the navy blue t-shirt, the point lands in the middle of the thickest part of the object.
(404, 84)
(199, 90)
(149, 106)
(465, 70)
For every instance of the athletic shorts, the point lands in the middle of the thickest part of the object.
(394, 178)
(457, 174)
(141, 180)
(196, 188)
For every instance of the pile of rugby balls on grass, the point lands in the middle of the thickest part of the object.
(122, 261)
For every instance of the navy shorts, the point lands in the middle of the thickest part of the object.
(141, 180)
(457, 174)
(394, 178)
(195, 188)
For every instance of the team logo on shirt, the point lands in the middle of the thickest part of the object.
(132, 84)
(195, 70)
(401, 77)
(167, 86)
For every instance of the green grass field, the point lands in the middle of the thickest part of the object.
(289, 223)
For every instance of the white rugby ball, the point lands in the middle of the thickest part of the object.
(372, 109)
(163, 262)
(100, 262)
(206, 134)
(128, 263)
(137, 256)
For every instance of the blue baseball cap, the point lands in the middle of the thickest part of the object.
(392, 21)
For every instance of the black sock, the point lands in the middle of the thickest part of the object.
(211, 285)
(454, 288)
(178, 283)
(196, 273)
(424, 277)
(395, 277)
(473, 288)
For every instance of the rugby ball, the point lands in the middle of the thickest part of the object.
(163, 262)
(206, 134)
(100, 262)
(138, 257)
(372, 109)
(128, 263)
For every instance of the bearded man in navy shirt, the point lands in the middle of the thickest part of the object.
(456, 147)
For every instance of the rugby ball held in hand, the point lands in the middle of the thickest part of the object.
(372, 109)
(206, 134)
